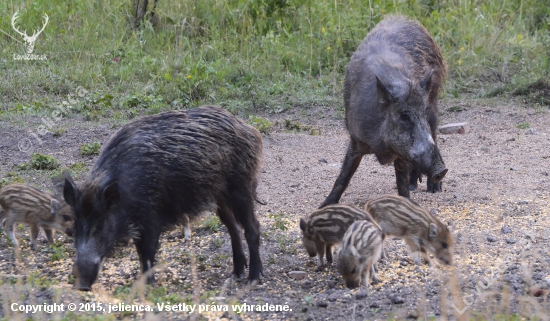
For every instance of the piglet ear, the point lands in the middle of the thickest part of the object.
(111, 195)
(302, 225)
(433, 230)
(54, 206)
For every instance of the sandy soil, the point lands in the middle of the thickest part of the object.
(495, 199)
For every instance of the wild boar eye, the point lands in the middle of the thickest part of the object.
(444, 245)
(66, 218)
(405, 117)
(353, 271)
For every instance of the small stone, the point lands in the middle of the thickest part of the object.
(544, 173)
(322, 160)
(537, 291)
(491, 238)
(397, 299)
(304, 309)
(510, 241)
(485, 149)
(510, 139)
(458, 238)
(531, 131)
(290, 293)
(455, 128)
(331, 284)
(297, 275)
(506, 229)
(403, 263)
(513, 169)
(524, 202)
(334, 296)
(362, 294)
(322, 303)
(374, 305)
(412, 315)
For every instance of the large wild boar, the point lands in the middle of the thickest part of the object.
(156, 171)
(390, 95)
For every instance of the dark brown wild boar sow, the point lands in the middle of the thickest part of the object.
(422, 231)
(25, 204)
(159, 169)
(326, 227)
(391, 92)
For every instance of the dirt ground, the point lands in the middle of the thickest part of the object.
(495, 199)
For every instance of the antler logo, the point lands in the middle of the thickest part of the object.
(32, 39)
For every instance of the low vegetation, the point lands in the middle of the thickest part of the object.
(252, 55)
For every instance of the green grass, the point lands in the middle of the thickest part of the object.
(56, 252)
(90, 149)
(523, 125)
(261, 124)
(212, 223)
(40, 162)
(248, 55)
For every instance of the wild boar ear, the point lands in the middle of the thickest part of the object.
(111, 194)
(54, 206)
(302, 225)
(433, 230)
(69, 191)
(383, 91)
(427, 81)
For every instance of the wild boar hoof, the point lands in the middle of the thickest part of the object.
(253, 282)
(413, 187)
(320, 268)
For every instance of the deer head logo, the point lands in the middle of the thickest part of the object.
(32, 39)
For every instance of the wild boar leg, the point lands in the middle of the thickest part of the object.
(239, 259)
(365, 276)
(373, 275)
(242, 206)
(328, 253)
(402, 177)
(351, 162)
(432, 121)
(49, 234)
(34, 235)
(146, 247)
(425, 255)
(185, 228)
(416, 250)
(9, 227)
(415, 176)
(320, 246)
